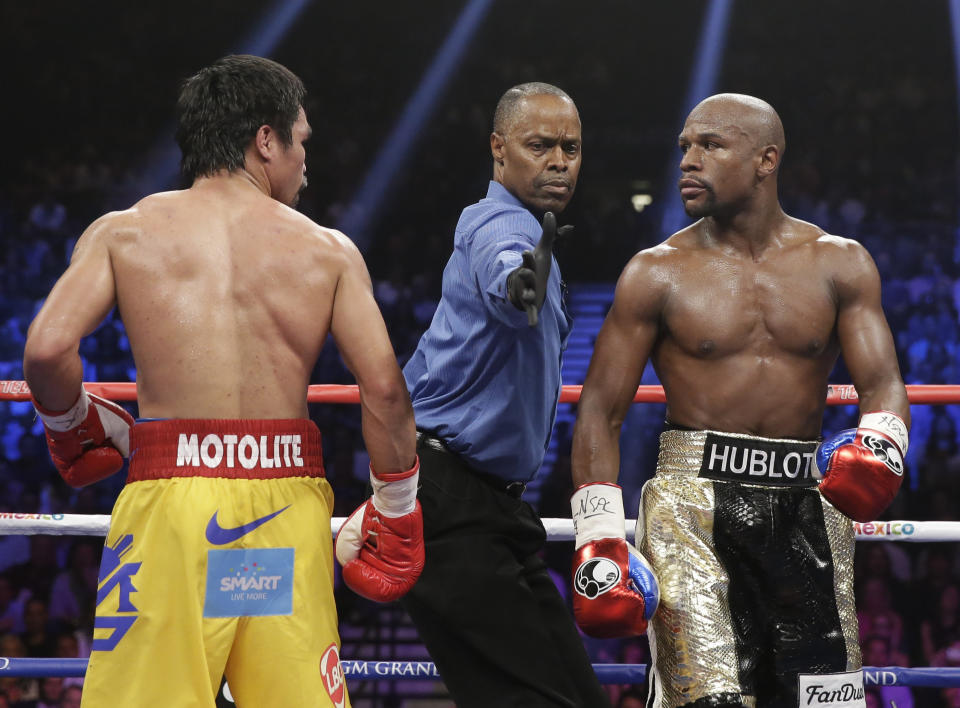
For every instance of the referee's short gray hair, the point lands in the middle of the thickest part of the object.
(508, 105)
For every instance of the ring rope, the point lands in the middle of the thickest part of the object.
(932, 677)
(557, 529)
(837, 395)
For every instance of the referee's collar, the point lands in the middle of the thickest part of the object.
(498, 192)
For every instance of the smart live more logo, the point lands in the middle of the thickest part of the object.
(246, 583)
(249, 582)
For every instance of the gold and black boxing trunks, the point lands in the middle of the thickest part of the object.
(756, 577)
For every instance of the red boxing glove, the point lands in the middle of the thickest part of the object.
(862, 469)
(380, 545)
(615, 591)
(89, 441)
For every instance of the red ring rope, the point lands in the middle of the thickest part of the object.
(837, 395)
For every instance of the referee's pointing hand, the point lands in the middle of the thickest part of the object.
(527, 285)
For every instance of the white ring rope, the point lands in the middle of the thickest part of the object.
(557, 529)
(54, 524)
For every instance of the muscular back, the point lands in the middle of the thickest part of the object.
(227, 298)
(746, 343)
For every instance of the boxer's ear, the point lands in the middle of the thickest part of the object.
(768, 161)
(267, 142)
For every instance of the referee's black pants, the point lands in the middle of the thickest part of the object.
(485, 606)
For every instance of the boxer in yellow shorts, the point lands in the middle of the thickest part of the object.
(207, 570)
(219, 557)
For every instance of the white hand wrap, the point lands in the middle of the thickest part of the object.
(888, 423)
(597, 511)
(112, 418)
(70, 418)
(395, 494)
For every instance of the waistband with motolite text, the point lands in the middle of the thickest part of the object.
(236, 449)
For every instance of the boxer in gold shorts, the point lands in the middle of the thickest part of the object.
(755, 569)
(747, 523)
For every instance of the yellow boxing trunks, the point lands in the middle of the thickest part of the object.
(219, 561)
(756, 577)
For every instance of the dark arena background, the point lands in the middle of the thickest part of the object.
(401, 97)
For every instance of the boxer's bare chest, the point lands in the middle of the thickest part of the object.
(720, 306)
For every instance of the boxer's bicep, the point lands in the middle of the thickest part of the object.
(361, 336)
(866, 341)
(82, 297)
(357, 324)
(620, 354)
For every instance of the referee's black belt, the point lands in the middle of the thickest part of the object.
(511, 488)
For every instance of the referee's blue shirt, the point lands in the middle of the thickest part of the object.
(481, 379)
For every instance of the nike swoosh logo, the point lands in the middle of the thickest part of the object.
(218, 536)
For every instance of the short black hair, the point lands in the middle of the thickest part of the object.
(221, 108)
(507, 106)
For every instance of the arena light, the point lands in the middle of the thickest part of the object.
(362, 211)
(703, 82)
(639, 202)
(162, 166)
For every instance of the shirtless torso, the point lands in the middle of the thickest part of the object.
(227, 295)
(745, 342)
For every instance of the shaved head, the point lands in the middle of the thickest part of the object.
(732, 146)
(754, 118)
